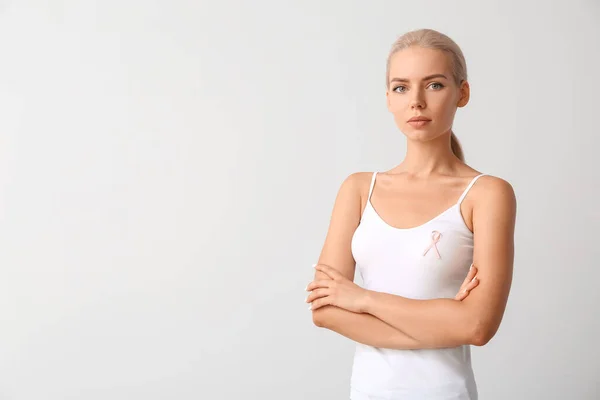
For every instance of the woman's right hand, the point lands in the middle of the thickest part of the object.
(469, 283)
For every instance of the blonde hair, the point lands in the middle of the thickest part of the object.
(432, 39)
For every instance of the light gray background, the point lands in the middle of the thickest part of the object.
(168, 169)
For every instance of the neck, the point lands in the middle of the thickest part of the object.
(433, 157)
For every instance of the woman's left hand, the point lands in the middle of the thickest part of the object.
(337, 291)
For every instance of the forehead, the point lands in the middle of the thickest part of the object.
(416, 62)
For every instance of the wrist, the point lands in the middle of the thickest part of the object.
(366, 302)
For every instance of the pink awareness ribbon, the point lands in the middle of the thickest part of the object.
(435, 237)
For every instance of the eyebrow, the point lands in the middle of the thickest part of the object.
(425, 79)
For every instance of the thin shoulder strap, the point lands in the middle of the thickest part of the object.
(372, 184)
(468, 188)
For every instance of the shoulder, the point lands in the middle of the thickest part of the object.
(354, 190)
(494, 194)
(358, 182)
(491, 186)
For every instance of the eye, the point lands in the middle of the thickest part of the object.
(438, 85)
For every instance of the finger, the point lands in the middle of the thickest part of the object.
(329, 271)
(472, 273)
(316, 294)
(326, 269)
(472, 284)
(470, 276)
(319, 283)
(462, 292)
(323, 301)
(467, 289)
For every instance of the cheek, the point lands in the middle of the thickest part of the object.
(447, 112)
(394, 105)
(440, 106)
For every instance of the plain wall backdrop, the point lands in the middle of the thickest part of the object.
(168, 170)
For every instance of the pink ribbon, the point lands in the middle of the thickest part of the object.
(435, 237)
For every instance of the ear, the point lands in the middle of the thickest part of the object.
(465, 94)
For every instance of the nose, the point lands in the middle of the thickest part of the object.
(417, 101)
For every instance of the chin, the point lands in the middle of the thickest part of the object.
(423, 134)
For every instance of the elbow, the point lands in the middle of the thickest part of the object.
(481, 335)
(320, 316)
(479, 340)
(317, 317)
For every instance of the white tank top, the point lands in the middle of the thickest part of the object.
(424, 262)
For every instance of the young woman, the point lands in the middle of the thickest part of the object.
(414, 232)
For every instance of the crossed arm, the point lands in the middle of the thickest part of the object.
(391, 321)
(365, 328)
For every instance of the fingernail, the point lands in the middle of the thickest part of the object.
(310, 307)
(471, 267)
(314, 265)
(306, 288)
(473, 280)
(306, 299)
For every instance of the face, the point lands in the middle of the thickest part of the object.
(421, 84)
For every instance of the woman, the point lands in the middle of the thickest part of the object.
(412, 232)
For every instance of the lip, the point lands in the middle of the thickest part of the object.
(418, 119)
(419, 123)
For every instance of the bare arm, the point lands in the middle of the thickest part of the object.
(336, 252)
(367, 329)
(476, 319)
